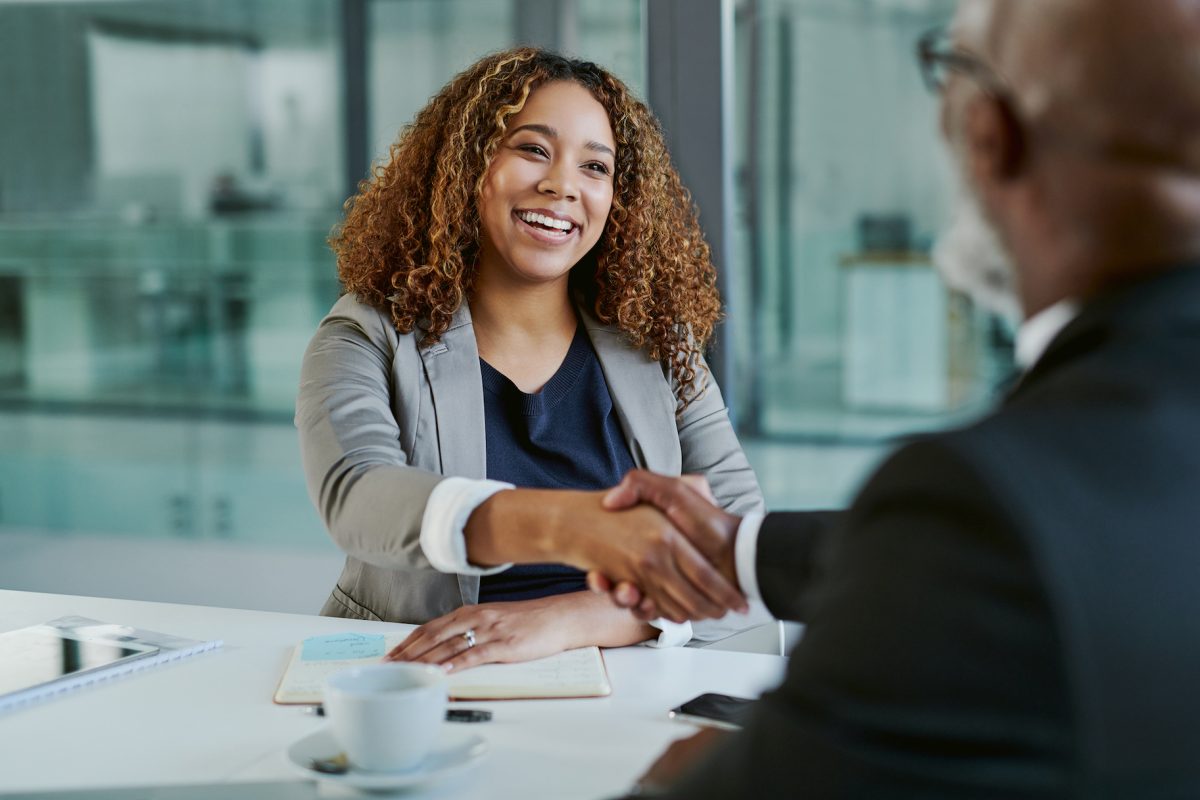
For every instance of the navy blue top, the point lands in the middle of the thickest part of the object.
(564, 437)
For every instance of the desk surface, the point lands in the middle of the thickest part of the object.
(210, 718)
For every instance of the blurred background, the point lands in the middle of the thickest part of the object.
(170, 170)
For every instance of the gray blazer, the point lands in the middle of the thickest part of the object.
(382, 420)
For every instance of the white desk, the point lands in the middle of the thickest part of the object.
(210, 718)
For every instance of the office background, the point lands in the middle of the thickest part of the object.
(169, 170)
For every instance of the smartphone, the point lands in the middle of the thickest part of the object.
(714, 711)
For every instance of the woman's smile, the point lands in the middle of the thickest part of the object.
(545, 226)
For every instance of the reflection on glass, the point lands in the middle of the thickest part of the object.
(843, 187)
(168, 176)
(417, 46)
(180, 259)
(33, 656)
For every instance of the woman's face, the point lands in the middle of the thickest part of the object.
(549, 188)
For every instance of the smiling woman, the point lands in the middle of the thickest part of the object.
(528, 299)
(549, 187)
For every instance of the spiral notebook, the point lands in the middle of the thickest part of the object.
(44, 661)
(573, 673)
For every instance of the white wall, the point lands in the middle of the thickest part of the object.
(170, 108)
(419, 45)
(299, 98)
(865, 139)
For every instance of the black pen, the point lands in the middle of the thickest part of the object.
(452, 714)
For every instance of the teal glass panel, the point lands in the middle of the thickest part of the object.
(169, 174)
(845, 336)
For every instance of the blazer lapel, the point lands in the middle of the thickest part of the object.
(452, 366)
(455, 382)
(641, 396)
(1166, 301)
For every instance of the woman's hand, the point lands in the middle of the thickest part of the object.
(689, 503)
(638, 546)
(519, 631)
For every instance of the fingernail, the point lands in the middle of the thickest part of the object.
(447, 667)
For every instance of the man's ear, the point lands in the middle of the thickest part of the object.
(994, 140)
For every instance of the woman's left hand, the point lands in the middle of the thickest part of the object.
(502, 632)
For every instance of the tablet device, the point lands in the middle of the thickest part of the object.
(273, 790)
(43, 654)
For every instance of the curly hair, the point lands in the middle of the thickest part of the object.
(410, 237)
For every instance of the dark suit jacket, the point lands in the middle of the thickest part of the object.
(1012, 609)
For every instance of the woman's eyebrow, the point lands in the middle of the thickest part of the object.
(551, 133)
(537, 127)
(600, 148)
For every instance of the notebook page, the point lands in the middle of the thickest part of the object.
(574, 673)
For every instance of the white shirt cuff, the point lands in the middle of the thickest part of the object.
(745, 556)
(671, 634)
(450, 505)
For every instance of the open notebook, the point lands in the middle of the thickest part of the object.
(574, 673)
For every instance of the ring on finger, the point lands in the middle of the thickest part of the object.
(469, 635)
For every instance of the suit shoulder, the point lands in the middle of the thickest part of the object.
(375, 323)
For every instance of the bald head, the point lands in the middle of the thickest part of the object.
(1084, 152)
(1116, 77)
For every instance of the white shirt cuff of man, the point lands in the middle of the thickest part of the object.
(745, 556)
(745, 553)
(445, 545)
(670, 634)
(450, 505)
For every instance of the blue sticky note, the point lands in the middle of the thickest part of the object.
(340, 646)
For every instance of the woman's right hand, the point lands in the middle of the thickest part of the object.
(638, 545)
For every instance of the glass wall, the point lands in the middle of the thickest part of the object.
(842, 186)
(168, 175)
(169, 172)
(416, 46)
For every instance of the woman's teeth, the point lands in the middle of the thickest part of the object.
(533, 218)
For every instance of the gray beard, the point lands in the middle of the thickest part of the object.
(971, 259)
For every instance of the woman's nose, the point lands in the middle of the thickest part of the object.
(559, 181)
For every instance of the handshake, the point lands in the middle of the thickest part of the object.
(657, 546)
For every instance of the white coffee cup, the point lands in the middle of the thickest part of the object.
(386, 716)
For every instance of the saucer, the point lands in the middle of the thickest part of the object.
(453, 752)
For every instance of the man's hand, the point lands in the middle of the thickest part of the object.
(688, 503)
(637, 545)
(641, 547)
(682, 755)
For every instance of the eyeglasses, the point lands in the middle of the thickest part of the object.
(938, 57)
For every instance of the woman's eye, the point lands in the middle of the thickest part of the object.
(596, 166)
(532, 148)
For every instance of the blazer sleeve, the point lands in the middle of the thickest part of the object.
(931, 665)
(786, 562)
(710, 447)
(355, 466)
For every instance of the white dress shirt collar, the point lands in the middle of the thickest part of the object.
(1037, 332)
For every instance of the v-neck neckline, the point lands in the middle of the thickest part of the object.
(556, 388)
